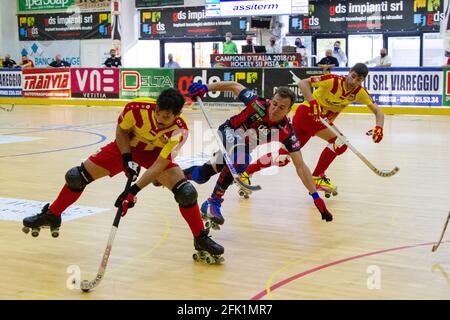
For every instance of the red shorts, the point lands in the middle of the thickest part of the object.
(304, 124)
(110, 158)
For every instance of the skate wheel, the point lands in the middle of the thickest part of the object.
(327, 195)
(196, 257)
(209, 260)
(25, 230)
(241, 193)
(246, 196)
(84, 286)
(207, 224)
(335, 193)
(35, 233)
(215, 226)
(55, 234)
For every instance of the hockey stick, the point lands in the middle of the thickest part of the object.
(8, 109)
(87, 285)
(381, 173)
(442, 234)
(226, 156)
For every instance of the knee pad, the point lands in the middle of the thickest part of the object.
(78, 178)
(185, 194)
(337, 146)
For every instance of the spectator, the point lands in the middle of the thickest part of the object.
(229, 47)
(273, 47)
(329, 61)
(448, 62)
(339, 54)
(26, 63)
(300, 48)
(59, 63)
(171, 64)
(113, 61)
(382, 61)
(250, 47)
(8, 62)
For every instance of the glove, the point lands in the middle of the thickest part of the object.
(127, 199)
(316, 110)
(376, 133)
(320, 205)
(130, 167)
(197, 90)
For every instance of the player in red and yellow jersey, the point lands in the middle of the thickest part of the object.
(333, 93)
(148, 135)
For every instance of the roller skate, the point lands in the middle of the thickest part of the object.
(324, 184)
(207, 249)
(245, 177)
(211, 214)
(45, 219)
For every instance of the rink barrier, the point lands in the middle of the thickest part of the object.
(424, 91)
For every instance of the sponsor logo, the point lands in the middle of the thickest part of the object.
(151, 23)
(96, 83)
(133, 81)
(31, 4)
(46, 81)
(10, 80)
(245, 77)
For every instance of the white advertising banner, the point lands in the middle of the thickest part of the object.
(43, 52)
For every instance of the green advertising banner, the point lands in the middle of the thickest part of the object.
(33, 5)
(148, 83)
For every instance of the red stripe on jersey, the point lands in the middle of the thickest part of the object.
(141, 145)
(138, 117)
(368, 94)
(153, 126)
(335, 85)
(329, 76)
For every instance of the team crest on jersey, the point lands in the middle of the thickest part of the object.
(258, 108)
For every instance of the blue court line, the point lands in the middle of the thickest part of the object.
(102, 138)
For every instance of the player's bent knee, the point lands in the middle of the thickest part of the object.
(78, 178)
(185, 193)
(338, 146)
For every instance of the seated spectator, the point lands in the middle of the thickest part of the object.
(113, 61)
(273, 47)
(26, 63)
(249, 47)
(328, 61)
(59, 63)
(8, 62)
(300, 48)
(382, 61)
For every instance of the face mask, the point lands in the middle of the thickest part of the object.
(249, 42)
(383, 55)
(298, 43)
(227, 39)
(272, 42)
(336, 49)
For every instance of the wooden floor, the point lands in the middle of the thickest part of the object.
(276, 245)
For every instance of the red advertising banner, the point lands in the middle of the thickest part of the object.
(95, 83)
(46, 83)
(256, 60)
